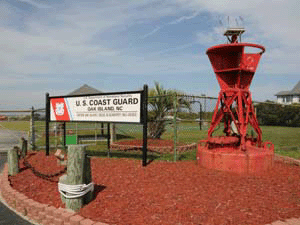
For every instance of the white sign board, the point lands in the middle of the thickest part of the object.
(103, 108)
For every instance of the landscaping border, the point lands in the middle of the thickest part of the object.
(35, 212)
(287, 159)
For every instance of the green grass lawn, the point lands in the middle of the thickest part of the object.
(281, 136)
(15, 125)
(285, 139)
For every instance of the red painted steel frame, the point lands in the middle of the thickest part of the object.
(235, 70)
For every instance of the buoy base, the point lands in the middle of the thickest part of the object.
(251, 161)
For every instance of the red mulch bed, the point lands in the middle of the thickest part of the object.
(41, 190)
(173, 193)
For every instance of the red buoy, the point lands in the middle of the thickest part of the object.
(236, 150)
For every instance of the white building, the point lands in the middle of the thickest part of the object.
(289, 97)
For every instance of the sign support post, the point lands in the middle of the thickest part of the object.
(145, 125)
(47, 123)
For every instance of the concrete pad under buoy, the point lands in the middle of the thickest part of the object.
(251, 161)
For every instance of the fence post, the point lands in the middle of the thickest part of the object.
(113, 136)
(108, 139)
(175, 126)
(205, 108)
(64, 136)
(200, 116)
(96, 133)
(32, 130)
(47, 123)
(13, 161)
(24, 147)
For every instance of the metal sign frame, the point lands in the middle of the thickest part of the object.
(142, 120)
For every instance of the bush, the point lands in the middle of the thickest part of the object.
(278, 115)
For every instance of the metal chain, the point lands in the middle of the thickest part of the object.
(42, 175)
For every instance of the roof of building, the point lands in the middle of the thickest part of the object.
(85, 89)
(294, 91)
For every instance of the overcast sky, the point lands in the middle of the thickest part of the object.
(119, 45)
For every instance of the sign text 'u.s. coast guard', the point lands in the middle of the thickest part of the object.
(102, 108)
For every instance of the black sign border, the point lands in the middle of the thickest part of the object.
(143, 117)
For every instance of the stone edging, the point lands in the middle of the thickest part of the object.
(39, 213)
(286, 159)
(36, 212)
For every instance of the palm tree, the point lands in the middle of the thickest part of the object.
(161, 103)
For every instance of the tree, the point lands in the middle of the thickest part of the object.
(162, 103)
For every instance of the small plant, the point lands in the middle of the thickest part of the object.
(162, 104)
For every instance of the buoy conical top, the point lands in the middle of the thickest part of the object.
(234, 67)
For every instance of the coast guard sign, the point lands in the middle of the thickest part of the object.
(114, 107)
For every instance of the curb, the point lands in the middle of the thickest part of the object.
(286, 159)
(35, 212)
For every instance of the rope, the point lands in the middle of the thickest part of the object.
(75, 190)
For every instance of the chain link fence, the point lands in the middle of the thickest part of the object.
(89, 133)
(175, 124)
(175, 130)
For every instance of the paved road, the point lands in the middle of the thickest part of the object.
(8, 217)
(10, 138)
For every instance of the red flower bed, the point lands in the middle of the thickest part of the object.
(175, 193)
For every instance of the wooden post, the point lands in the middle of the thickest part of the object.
(63, 180)
(87, 178)
(13, 161)
(24, 147)
(78, 172)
